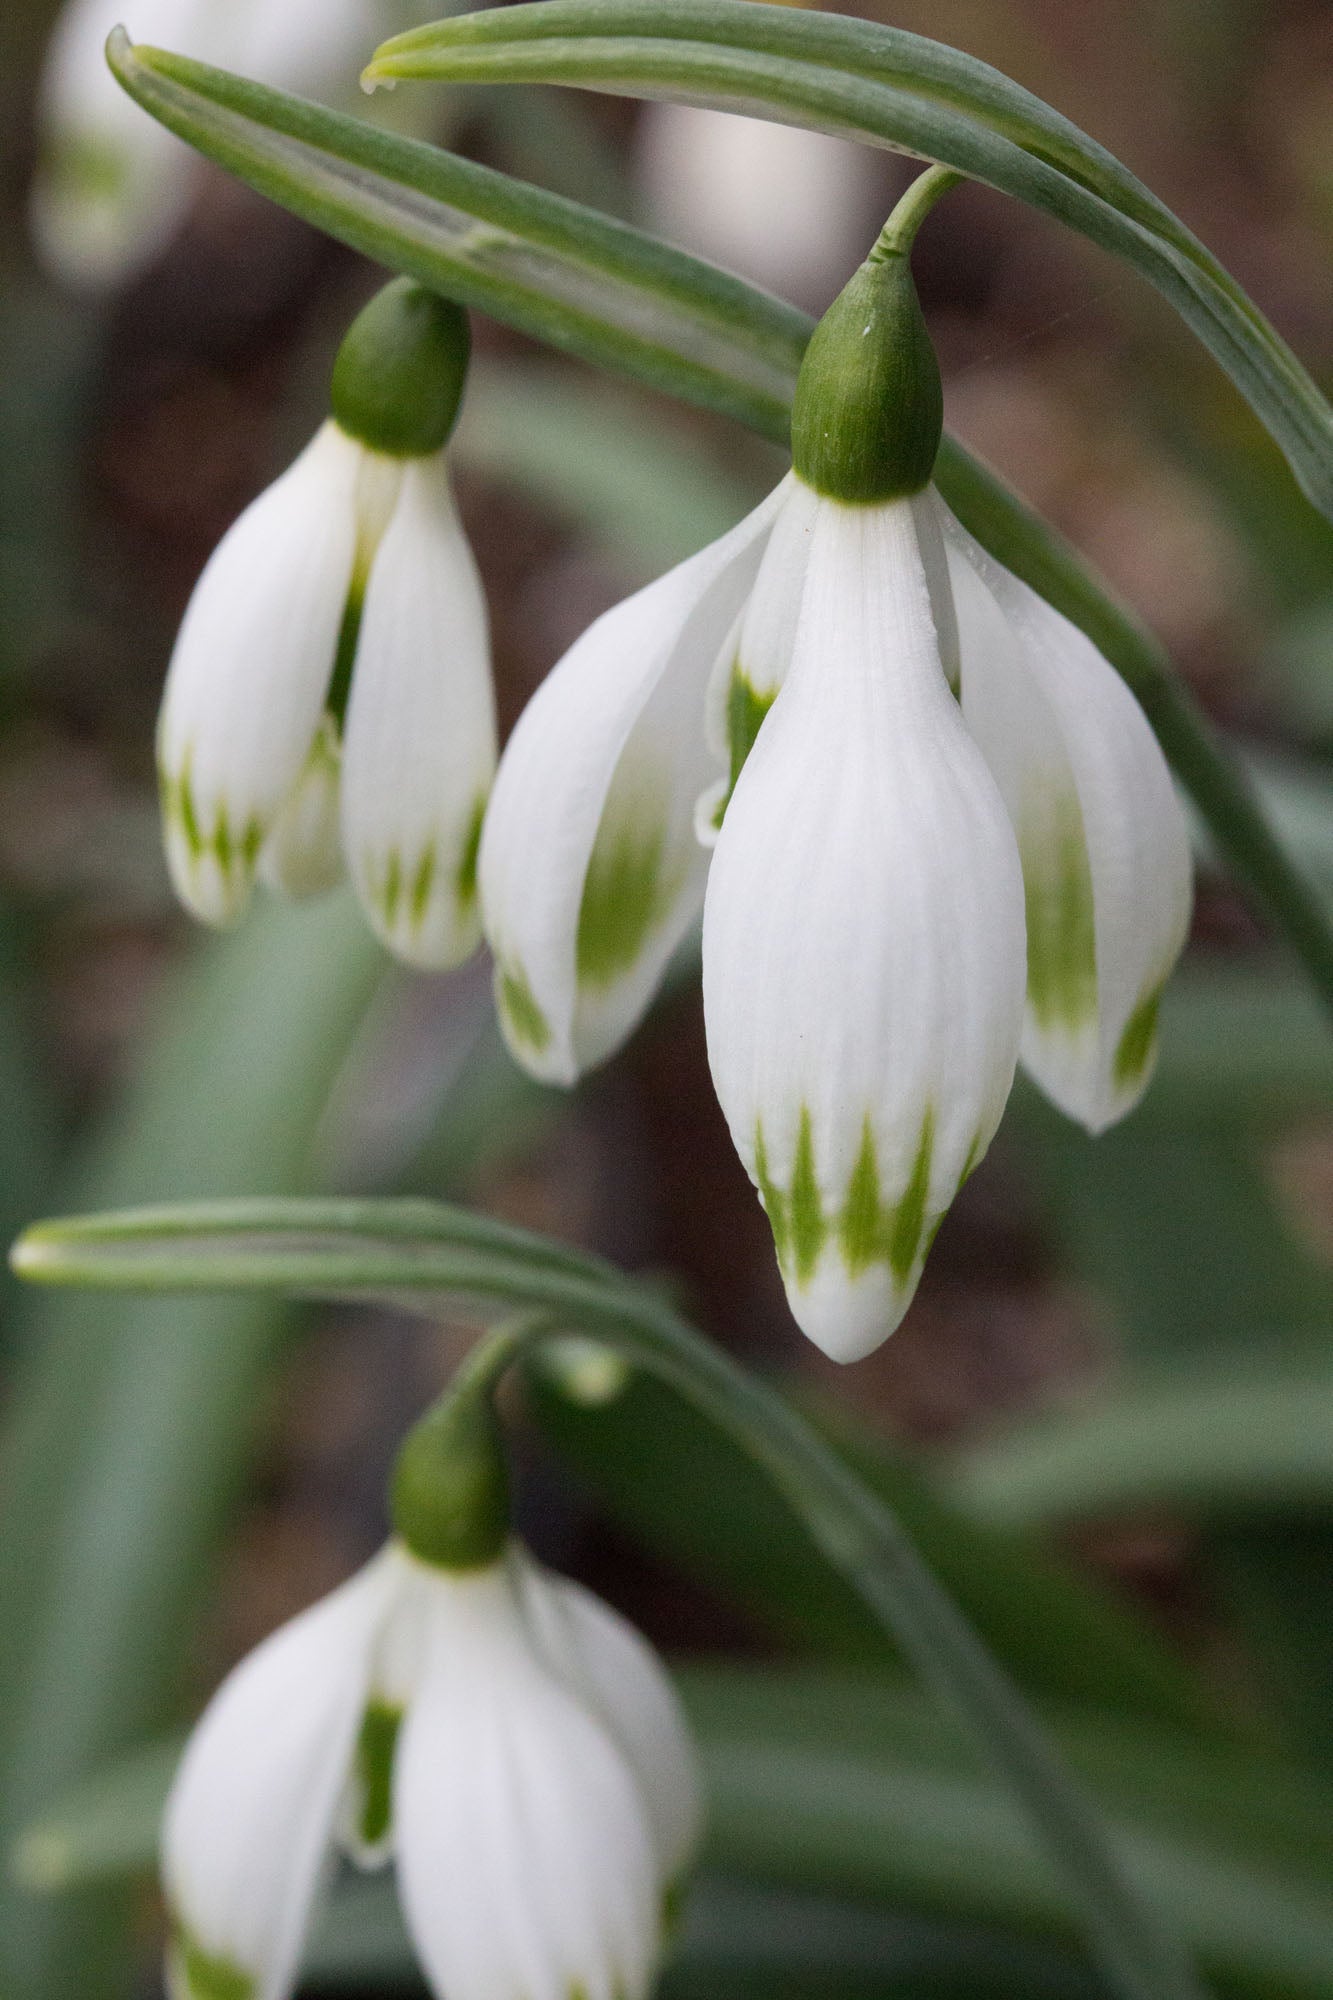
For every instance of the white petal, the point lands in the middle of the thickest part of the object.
(419, 746)
(614, 1671)
(302, 855)
(525, 1859)
(246, 687)
(863, 939)
(754, 661)
(251, 1814)
(1102, 836)
(364, 1829)
(111, 183)
(590, 872)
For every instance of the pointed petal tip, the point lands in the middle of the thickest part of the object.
(546, 1057)
(848, 1318)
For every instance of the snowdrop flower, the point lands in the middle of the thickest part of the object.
(329, 696)
(941, 830)
(506, 1737)
(112, 184)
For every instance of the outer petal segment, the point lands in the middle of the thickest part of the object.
(1102, 836)
(614, 1670)
(863, 939)
(419, 747)
(246, 687)
(590, 871)
(525, 1862)
(252, 1811)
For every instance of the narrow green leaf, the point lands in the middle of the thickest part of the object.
(893, 89)
(573, 278)
(818, 1783)
(1237, 1440)
(599, 289)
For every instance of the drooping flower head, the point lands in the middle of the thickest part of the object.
(329, 697)
(941, 832)
(506, 1738)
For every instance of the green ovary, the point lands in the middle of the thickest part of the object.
(627, 890)
(200, 1975)
(1134, 1050)
(374, 1769)
(1061, 920)
(518, 1004)
(868, 1230)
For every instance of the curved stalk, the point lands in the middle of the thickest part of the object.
(888, 87)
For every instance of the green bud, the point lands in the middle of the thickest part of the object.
(869, 409)
(450, 1493)
(398, 378)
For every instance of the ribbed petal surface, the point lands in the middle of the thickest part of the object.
(615, 1672)
(1101, 834)
(525, 1858)
(863, 939)
(755, 659)
(251, 1814)
(590, 870)
(245, 691)
(419, 746)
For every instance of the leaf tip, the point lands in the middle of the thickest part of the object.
(119, 49)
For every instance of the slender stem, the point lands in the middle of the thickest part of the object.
(866, 1543)
(899, 232)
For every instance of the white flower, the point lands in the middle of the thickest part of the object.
(112, 184)
(941, 827)
(353, 563)
(1101, 833)
(590, 873)
(512, 1741)
(863, 933)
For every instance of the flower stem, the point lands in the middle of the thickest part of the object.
(899, 232)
